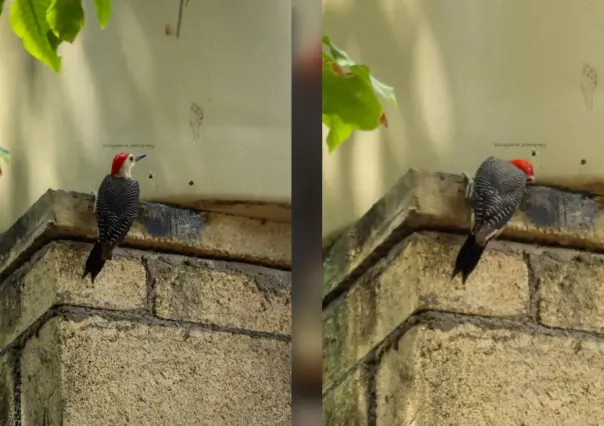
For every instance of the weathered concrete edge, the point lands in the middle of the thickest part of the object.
(351, 249)
(336, 363)
(446, 320)
(434, 202)
(146, 312)
(7, 388)
(364, 389)
(277, 211)
(529, 320)
(68, 215)
(79, 313)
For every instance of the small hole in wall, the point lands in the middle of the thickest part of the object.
(191, 183)
(150, 175)
(168, 30)
(583, 162)
(534, 152)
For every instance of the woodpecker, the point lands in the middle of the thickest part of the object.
(115, 206)
(496, 193)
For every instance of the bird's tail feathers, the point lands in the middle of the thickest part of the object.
(95, 262)
(467, 258)
(107, 251)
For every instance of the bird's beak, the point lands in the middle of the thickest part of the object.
(530, 179)
(139, 157)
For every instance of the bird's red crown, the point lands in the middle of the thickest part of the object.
(525, 166)
(118, 162)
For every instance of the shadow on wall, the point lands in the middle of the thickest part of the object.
(134, 83)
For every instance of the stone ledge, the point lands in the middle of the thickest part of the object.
(277, 211)
(79, 313)
(434, 201)
(416, 276)
(60, 214)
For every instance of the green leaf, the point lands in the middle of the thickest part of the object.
(66, 18)
(2, 5)
(351, 96)
(338, 131)
(386, 92)
(103, 11)
(53, 39)
(5, 155)
(28, 21)
(336, 54)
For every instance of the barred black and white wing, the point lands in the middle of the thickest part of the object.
(499, 187)
(117, 207)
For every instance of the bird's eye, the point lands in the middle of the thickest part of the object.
(131, 158)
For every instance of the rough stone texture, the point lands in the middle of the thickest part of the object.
(60, 214)
(7, 409)
(225, 293)
(348, 403)
(416, 275)
(570, 289)
(474, 377)
(422, 200)
(98, 354)
(522, 343)
(54, 276)
(96, 372)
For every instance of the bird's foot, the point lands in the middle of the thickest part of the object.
(94, 196)
(469, 191)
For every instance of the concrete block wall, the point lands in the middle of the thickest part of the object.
(188, 325)
(521, 343)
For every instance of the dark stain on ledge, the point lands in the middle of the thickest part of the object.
(549, 207)
(166, 221)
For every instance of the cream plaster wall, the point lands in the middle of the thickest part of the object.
(469, 75)
(131, 84)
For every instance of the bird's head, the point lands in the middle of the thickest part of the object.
(123, 163)
(526, 167)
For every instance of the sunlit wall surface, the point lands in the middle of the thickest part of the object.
(211, 107)
(473, 78)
